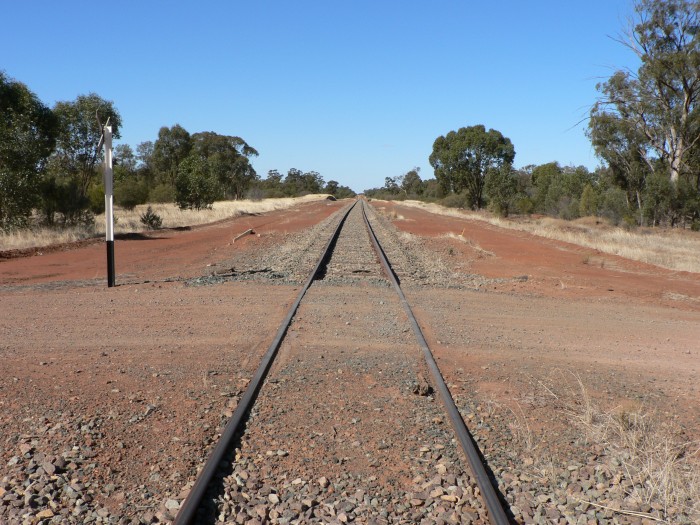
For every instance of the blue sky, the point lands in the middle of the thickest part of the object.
(357, 90)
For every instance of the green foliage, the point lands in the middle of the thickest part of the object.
(162, 193)
(456, 200)
(501, 187)
(614, 205)
(588, 204)
(96, 198)
(63, 202)
(461, 160)
(170, 149)
(196, 187)
(151, 220)
(229, 161)
(78, 136)
(542, 177)
(344, 192)
(523, 204)
(646, 125)
(129, 193)
(27, 137)
(657, 201)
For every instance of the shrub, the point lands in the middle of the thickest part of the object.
(162, 193)
(255, 194)
(96, 195)
(129, 193)
(588, 205)
(614, 205)
(500, 188)
(195, 187)
(151, 219)
(456, 200)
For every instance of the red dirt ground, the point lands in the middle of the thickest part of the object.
(631, 330)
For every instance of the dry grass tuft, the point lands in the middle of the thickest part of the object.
(663, 469)
(472, 244)
(130, 221)
(673, 249)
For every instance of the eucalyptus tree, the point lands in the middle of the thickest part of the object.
(79, 132)
(27, 138)
(172, 146)
(462, 158)
(229, 160)
(654, 112)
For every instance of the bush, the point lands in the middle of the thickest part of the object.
(501, 187)
(151, 219)
(588, 205)
(162, 193)
(456, 200)
(64, 197)
(524, 204)
(614, 205)
(195, 187)
(129, 193)
(255, 194)
(96, 195)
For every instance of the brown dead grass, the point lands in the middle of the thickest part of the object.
(673, 249)
(645, 449)
(129, 221)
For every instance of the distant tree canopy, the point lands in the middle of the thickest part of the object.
(462, 159)
(298, 183)
(50, 163)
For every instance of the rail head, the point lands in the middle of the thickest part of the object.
(496, 511)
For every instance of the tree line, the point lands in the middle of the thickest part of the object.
(50, 163)
(645, 128)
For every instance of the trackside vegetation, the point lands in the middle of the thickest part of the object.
(644, 128)
(50, 166)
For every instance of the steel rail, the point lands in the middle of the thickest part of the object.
(496, 513)
(190, 506)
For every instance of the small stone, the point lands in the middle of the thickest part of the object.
(323, 482)
(172, 504)
(274, 498)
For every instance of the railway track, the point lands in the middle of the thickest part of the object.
(318, 380)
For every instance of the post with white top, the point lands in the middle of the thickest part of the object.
(109, 205)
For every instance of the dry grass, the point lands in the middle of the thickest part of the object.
(471, 243)
(663, 469)
(673, 249)
(130, 221)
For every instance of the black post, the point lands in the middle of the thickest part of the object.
(110, 264)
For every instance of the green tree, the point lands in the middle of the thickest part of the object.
(660, 102)
(27, 138)
(462, 158)
(331, 187)
(229, 160)
(411, 183)
(588, 204)
(79, 134)
(196, 187)
(542, 178)
(170, 149)
(501, 187)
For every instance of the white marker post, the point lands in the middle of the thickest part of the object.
(109, 205)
